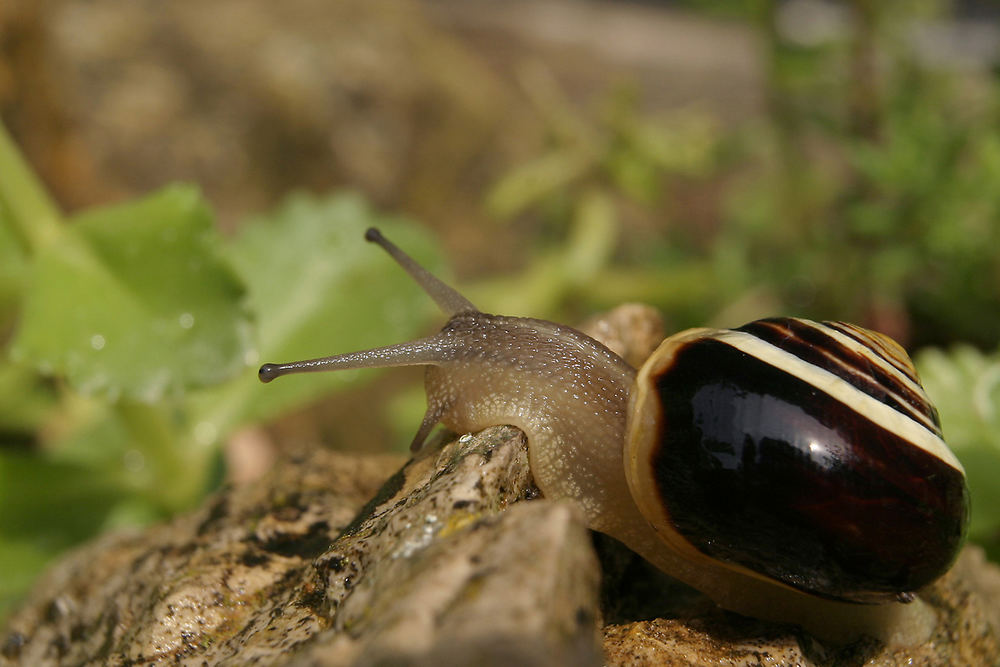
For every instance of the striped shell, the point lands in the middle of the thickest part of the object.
(798, 452)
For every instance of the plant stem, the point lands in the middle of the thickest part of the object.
(864, 92)
(786, 122)
(178, 467)
(35, 216)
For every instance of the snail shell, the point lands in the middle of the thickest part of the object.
(799, 451)
(788, 469)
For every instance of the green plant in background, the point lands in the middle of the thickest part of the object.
(592, 169)
(131, 338)
(964, 383)
(874, 194)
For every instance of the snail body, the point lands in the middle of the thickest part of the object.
(789, 469)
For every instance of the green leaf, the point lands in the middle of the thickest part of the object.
(530, 183)
(46, 507)
(21, 561)
(135, 300)
(318, 289)
(25, 400)
(27, 207)
(13, 267)
(593, 237)
(964, 383)
(56, 504)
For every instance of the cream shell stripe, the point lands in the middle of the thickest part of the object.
(890, 368)
(885, 353)
(878, 412)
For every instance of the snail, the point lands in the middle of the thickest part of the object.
(789, 469)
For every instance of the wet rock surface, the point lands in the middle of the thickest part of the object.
(289, 571)
(324, 562)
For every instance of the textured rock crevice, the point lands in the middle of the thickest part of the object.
(324, 562)
(290, 572)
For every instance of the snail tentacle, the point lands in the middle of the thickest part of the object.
(414, 353)
(445, 296)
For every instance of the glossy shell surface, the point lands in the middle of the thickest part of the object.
(801, 452)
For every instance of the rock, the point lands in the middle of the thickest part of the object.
(444, 565)
(432, 570)
(188, 588)
(632, 331)
(966, 634)
(652, 620)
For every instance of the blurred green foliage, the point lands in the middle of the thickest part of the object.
(874, 195)
(105, 287)
(578, 189)
(869, 192)
(132, 336)
(964, 384)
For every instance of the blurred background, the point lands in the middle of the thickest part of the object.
(183, 189)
